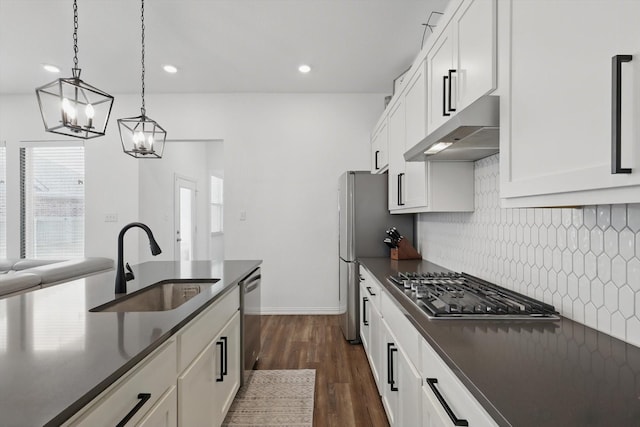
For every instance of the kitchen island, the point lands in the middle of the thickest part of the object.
(528, 373)
(56, 356)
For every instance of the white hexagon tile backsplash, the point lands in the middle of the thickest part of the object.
(585, 261)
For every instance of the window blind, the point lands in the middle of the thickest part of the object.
(52, 202)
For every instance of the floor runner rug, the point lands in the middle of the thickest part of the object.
(274, 398)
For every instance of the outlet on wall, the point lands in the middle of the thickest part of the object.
(113, 217)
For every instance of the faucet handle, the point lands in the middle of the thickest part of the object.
(129, 274)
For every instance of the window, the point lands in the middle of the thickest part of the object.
(3, 202)
(52, 202)
(217, 198)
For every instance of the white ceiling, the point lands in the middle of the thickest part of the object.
(356, 46)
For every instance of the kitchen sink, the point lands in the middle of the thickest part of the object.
(161, 296)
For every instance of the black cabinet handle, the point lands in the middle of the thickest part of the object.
(143, 399)
(365, 322)
(226, 356)
(400, 202)
(221, 344)
(389, 367)
(444, 95)
(376, 160)
(370, 292)
(455, 420)
(449, 95)
(392, 349)
(616, 113)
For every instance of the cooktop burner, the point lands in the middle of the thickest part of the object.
(462, 296)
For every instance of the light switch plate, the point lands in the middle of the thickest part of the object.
(113, 217)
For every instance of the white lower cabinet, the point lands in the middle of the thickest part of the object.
(401, 388)
(229, 369)
(446, 401)
(191, 380)
(207, 387)
(416, 386)
(139, 394)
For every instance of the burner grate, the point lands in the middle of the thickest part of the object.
(460, 295)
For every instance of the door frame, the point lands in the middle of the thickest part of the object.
(182, 181)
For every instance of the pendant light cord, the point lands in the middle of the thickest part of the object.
(75, 34)
(143, 110)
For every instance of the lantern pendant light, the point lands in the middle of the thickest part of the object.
(141, 136)
(72, 107)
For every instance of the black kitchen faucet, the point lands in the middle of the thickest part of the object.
(121, 277)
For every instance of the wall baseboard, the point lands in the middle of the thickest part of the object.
(299, 310)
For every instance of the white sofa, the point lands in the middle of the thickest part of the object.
(24, 275)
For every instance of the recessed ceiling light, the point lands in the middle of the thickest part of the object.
(51, 68)
(170, 69)
(304, 68)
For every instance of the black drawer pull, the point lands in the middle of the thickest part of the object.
(370, 292)
(376, 160)
(455, 420)
(400, 196)
(616, 114)
(365, 322)
(393, 381)
(143, 399)
(221, 377)
(444, 96)
(449, 95)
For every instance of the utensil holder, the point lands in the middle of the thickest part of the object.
(405, 251)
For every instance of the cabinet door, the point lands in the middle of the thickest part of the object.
(227, 368)
(409, 382)
(439, 62)
(556, 126)
(365, 318)
(379, 149)
(164, 413)
(397, 179)
(390, 395)
(415, 100)
(196, 390)
(475, 56)
(375, 346)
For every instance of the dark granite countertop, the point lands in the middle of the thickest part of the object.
(56, 356)
(530, 373)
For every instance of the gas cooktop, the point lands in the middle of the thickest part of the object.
(462, 296)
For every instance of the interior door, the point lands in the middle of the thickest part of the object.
(185, 219)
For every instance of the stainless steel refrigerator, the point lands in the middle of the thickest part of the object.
(364, 217)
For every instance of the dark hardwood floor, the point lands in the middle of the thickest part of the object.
(345, 393)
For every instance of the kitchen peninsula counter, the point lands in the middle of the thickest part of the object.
(529, 373)
(56, 355)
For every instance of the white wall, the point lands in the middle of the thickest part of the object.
(584, 261)
(283, 155)
(187, 159)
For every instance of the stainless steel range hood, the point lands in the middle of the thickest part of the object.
(473, 133)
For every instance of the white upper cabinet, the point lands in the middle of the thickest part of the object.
(440, 70)
(380, 148)
(462, 63)
(415, 100)
(557, 137)
(475, 59)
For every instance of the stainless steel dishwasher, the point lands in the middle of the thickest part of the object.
(250, 322)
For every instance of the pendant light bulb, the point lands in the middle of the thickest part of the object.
(138, 139)
(90, 113)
